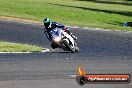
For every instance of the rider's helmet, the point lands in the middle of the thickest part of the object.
(47, 22)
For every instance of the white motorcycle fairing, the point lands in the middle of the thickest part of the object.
(68, 37)
(58, 35)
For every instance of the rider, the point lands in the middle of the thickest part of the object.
(49, 25)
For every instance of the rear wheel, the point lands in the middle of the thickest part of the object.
(54, 45)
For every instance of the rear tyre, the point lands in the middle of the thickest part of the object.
(54, 45)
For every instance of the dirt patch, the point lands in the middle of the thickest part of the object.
(20, 20)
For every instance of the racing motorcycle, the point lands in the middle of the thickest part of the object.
(62, 40)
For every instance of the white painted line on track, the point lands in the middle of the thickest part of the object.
(128, 32)
(73, 76)
(43, 51)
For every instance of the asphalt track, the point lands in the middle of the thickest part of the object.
(100, 52)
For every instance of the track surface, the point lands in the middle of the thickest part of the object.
(100, 52)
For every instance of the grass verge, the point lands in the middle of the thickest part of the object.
(15, 47)
(106, 14)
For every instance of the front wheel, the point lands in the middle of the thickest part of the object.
(76, 49)
(68, 46)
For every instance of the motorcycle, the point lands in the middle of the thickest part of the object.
(62, 40)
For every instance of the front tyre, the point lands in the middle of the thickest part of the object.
(69, 47)
(76, 49)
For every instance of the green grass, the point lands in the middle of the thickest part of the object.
(15, 47)
(107, 14)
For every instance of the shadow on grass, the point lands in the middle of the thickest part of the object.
(128, 0)
(110, 2)
(124, 13)
(116, 23)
